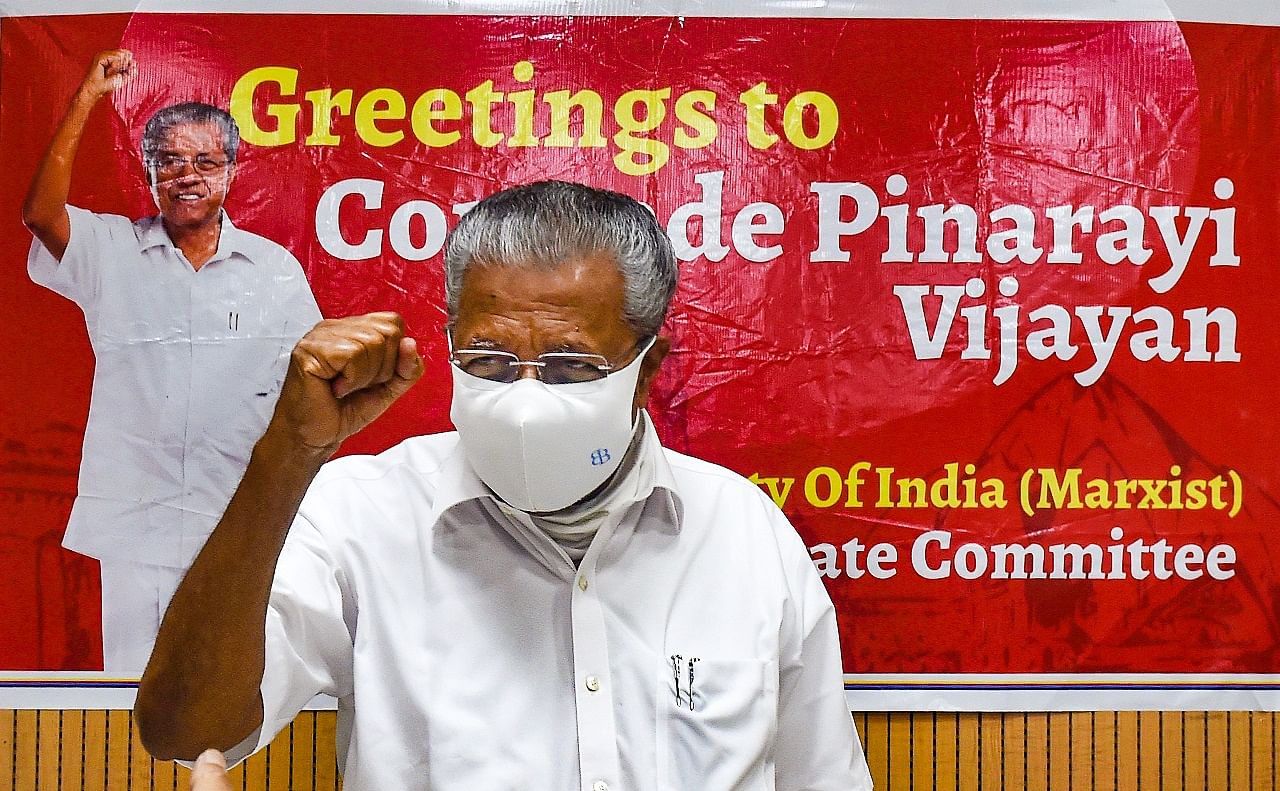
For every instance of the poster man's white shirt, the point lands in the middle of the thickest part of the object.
(188, 368)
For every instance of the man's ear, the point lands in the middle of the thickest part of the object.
(649, 371)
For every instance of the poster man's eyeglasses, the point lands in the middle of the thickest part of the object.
(170, 165)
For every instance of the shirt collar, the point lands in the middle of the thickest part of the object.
(664, 482)
(231, 240)
(460, 484)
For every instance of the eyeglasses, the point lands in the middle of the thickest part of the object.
(170, 165)
(553, 368)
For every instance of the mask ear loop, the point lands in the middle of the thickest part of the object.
(640, 356)
(635, 421)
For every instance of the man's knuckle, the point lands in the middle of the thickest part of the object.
(310, 364)
(387, 321)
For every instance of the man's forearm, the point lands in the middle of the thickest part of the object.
(45, 208)
(201, 686)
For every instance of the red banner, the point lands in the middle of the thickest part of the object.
(984, 305)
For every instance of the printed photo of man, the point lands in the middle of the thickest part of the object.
(191, 320)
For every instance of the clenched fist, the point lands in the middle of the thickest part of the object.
(343, 374)
(108, 71)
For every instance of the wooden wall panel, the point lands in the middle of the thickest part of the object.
(1081, 751)
(8, 746)
(1264, 766)
(1126, 732)
(946, 739)
(24, 760)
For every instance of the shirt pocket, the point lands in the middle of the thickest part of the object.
(720, 737)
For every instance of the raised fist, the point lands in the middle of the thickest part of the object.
(108, 71)
(343, 374)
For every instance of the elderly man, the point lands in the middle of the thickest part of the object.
(191, 321)
(546, 599)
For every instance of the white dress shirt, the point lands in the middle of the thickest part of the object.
(189, 365)
(693, 647)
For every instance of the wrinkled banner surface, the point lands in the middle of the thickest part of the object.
(986, 306)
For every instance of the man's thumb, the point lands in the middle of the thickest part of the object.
(408, 367)
(210, 772)
(212, 758)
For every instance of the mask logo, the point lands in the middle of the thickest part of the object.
(599, 456)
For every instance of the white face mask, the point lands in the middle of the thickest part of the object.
(545, 447)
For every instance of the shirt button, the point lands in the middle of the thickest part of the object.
(593, 683)
(582, 585)
(599, 785)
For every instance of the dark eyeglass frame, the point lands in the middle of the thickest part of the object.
(172, 164)
(552, 368)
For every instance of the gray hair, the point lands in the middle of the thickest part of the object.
(189, 113)
(542, 225)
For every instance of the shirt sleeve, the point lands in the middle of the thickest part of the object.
(96, 240)
(298, 302)
(308, 644)
(818, 745)
(288, 297)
